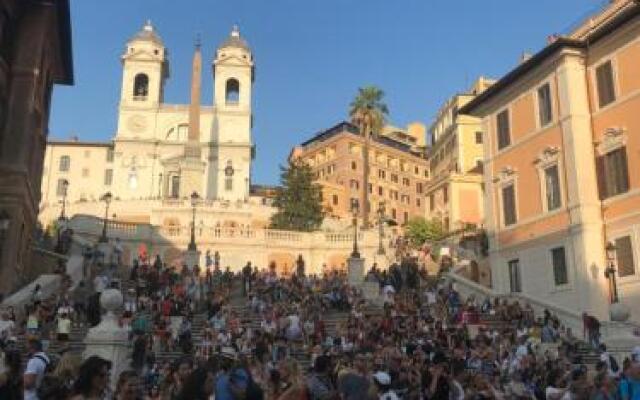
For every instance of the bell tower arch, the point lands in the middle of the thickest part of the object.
(145, 69)
(233, 70)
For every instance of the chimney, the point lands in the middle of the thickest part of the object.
(525, 57)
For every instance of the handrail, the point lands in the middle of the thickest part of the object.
(568, 317)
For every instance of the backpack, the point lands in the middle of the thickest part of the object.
(613, 363)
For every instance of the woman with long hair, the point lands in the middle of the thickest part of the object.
(67, 369)
(93, 379)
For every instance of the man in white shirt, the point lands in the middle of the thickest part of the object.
(6, 326)
(36, 368)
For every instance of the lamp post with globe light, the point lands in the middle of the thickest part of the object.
(610, 272)
(65, 187)
(194, 202)
(355, 207)
(381, 221)
(107, 197)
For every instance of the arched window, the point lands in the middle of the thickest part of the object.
(232, 95)
(140, 87)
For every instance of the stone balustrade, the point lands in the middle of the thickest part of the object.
(236, 244)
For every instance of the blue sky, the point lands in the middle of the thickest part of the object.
(311, 56)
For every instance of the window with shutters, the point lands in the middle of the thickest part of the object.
(445, 194)
(624, 256)
(65, 163)
(108, 177)
(479, 137)
(613, 174)
(503, 129)
(509, 205)
(432, 202)
(559, 261)
(552, 188)
(515, 285)
(61, 189)
(335, 199)
(545, 111)
(605, 84)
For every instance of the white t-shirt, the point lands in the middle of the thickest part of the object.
(551, 391)
(390, 395)
(36, 366)
(7, 326)
(64, 325)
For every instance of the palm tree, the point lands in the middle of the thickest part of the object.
(368, 112)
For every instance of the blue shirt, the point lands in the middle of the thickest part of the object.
(632, 384)
(223, 388)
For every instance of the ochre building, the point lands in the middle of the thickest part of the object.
(562, 166)
(454, 195)
(398, 174)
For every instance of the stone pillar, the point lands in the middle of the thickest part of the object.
(108, 339)
(355, 271)
(619, 335)
(585, 227)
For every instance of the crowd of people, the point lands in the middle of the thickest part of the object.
(305, 336)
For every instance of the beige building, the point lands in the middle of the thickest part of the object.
(35, 54)
(165, 150)
(398, 173)
(562, 167)
(454, 193)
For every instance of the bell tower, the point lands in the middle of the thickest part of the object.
(145, 69)
(228, 175)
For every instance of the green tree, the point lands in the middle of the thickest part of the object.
(419, 230)
(298, 200)
(368, 112)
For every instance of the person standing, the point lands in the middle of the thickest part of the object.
(35, 370)
(246, 278)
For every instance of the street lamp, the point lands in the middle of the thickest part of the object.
(381, 220)
(610, 271)
(354, 210)
(194, 202)
(65, 186)
(107, 200)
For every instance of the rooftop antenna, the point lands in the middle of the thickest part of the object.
(198, 42)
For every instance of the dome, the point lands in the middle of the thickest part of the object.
(235, 40)
(148, 33)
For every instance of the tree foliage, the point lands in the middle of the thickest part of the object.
(367, 111)
(298, 200)
(419, 230)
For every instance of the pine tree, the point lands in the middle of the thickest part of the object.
(299, 199)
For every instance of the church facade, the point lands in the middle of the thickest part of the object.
(160, 150)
